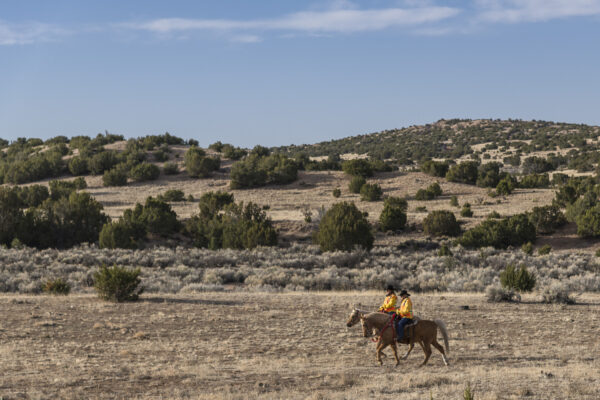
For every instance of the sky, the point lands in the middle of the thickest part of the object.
(275, 72)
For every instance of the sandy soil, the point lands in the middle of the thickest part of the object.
(290, 345)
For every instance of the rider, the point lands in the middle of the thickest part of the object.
(404, 312)
(389, 304)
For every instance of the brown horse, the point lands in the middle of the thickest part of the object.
(423, 332)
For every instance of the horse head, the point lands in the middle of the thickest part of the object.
(355, 316)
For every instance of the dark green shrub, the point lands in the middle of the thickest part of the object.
(441, 223)
(444, 251)
(519, 279)
(160, 156)
(393, 215)
(358, 167)
(211, 203)
(172, 195)
(342, 228)
(370, 192)
(527, 248)
(565, 195)
(115, 177)
(454, 201)
(513, 231)
(423, 194)
(65, 222)
(78, 166)
(504, 187)
(233, 153)
(421, 209)
(118, 283)
(534, 181)
(198, 165)
(170, 168)
(466, 211)
(587, 202)
(246, 227)
(356, 183)
(588, 223)
(102, 161)
(33, 196)
(155, 215)
(144, 172)
(378, 165)
(238, 226)
(435, 168)
(256, 171)
(121, 234)
(434, 190)
(56, 286)
(547, 219)
(260, 151)
(465, 172)
(536, 165)
(336, 193)
(216, 146)
(494, 214)
(545, 249)
(488, 175)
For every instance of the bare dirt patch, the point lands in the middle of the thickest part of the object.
(292, 345)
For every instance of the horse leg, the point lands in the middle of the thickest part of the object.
(441, 349)
(395, 349)
(410, 347)
(427, 350)
(380, 347)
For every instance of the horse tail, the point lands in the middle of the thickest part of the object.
(442, 327)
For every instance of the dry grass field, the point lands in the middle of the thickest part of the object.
(240, 345)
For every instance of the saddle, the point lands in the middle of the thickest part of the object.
(408, 330)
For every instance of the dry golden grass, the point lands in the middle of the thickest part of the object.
(243, 345)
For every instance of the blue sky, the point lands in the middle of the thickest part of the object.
(281, 72)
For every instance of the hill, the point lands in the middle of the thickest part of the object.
(538, 157)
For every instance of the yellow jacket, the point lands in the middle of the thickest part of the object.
(389, 304)
(405, 309)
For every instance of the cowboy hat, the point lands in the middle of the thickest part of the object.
(404, 293)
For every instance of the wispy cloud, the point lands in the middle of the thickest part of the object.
(28, 33)
(339, 20)
(513, 11)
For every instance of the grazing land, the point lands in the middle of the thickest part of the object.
(237, 345)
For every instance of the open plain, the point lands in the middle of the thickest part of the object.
(239, 344)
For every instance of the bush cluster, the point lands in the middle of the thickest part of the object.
(370, 192)
(144, 171)
(533, 181)
(513, 231)
(441, 223)
(434, 190)
(547, 219)
(465, 172)
(198, 164)
(222, 223)
(172, 195)
(518, 279)
(342, 228)
(118, 283)
(393, 215)
(358, 167)
(258, 169)
(356, 183)
(435, 168)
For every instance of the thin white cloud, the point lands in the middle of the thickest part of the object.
(246, 39)
(513, 11)
(19, 34)
(328, 21)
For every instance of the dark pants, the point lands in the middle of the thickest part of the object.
(400, 327)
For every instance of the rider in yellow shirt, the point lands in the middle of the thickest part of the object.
(404, 312)
(389, 304)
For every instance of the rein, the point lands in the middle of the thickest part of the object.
(390, 323)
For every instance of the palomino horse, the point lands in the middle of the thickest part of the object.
(424, 333)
